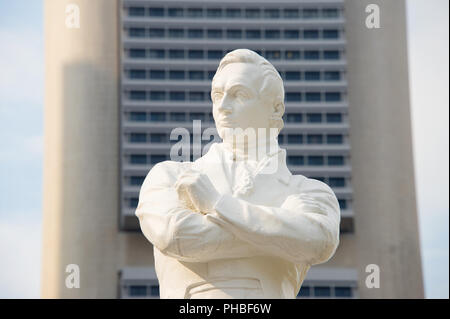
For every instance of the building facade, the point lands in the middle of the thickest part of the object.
(161, 57)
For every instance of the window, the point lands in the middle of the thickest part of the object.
(295, 139)
(136, 32)
(196, 96)
(234, 34)
(214, 54)
(136, 53)
(137, 95)
(176, 75)
(272, 13)
(332, 96)
(335, 160)
(136, 11)
(158, 138)
(176, 33)
(311, 34)
(331, 55)
(177, 96)
(311, 55)
(157, 116)
(156, 12)
(136, 180)
(178, 117)
(157, 95)
(336, 182)
(214, 34)
(195, 12)
(214, 13)
(253, 34)
(273, 55)
(292, 55)
(330, 13)
(292, 76)
(252, 13)
(291, 34)
(138, 116)
(310, 13)
(176, 54)
(196, 75)
(313, 96)
(312, 76)
(315, 160)
(314, 139)
(233, 13)
(334, 117)
(195, 54)
(272, 34)
(197, 116)
(156, 54)
(280, 139)
(211, 74)
(154, 159)
(138, 138)
(304, 292)
(334, 139)
(330, 34)
(195, 33)
(322, 291)
(342, 203)
(331, 75)
(157, 74)
(343, 292)
(133, 202)
(293, 97)
(156, 33)
(138, 159)
(295, 160)
(291, 13)
(294, 118)
(314, 118)
(136, 74)
(175, 12)
(154, 291)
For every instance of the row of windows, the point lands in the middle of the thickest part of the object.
(282, 139)
(295, 160)
(249, 34)
(326, 292)
(218, 54)
(143, 290)
(198, 96)
(331, 181)
(248, 13)
(208, 117)
(133, 202)
(140, 74)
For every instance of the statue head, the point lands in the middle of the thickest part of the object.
(247, 92)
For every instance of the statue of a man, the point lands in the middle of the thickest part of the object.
(236, 223)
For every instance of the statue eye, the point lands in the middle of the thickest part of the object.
(217, 96)
(242, 95)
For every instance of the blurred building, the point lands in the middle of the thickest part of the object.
(119, 84)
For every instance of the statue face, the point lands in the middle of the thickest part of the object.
(237, 102)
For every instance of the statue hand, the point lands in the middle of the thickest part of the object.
(197, 191)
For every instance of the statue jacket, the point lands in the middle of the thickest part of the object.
(267, 229)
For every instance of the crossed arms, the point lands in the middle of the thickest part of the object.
(305, 229)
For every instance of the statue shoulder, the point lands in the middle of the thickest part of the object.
(304, 184)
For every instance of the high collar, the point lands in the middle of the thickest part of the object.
(218, 154)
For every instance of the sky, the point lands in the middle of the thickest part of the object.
(21, 142)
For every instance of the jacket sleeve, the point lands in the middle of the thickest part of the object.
(305, 229)
(178, 232)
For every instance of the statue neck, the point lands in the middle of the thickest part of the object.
(251, 149)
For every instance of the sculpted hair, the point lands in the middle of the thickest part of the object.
(272, 86)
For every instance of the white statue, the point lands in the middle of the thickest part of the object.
(236, 223)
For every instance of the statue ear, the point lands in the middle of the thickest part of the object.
(278, 110)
